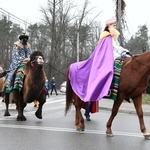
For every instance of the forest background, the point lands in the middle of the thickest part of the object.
(64, 37)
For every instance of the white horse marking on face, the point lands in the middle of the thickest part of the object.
(40, 60)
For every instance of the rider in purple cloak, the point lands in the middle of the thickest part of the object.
(91, 79)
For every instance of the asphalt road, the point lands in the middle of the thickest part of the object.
(57, 132)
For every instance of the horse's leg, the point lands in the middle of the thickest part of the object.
(138, 106)
(114, 112)
(6, 98)
(42, 100)
(79, 121)
(20, 107)
(18, 97)
(38, 113)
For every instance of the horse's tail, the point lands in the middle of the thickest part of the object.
(69, 94)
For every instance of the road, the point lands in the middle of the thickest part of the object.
(57, 132)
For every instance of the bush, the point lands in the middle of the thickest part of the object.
(146, 98)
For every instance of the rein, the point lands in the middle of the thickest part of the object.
(140, 61)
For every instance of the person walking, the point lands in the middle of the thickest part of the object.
(88, 110)
(53, 86)
(47, 86)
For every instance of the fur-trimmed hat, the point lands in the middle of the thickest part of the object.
(110, 21)
(23, 35)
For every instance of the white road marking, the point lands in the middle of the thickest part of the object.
(54, 101)
(56, 129)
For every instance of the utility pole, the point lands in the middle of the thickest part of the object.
(78, 51)
(119, 14)
(78, 41)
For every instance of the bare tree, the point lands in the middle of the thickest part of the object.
(61, 27)
(57, 22)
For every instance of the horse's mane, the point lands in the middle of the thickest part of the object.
(36, 53)
(144, 53)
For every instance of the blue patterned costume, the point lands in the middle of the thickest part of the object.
(20, 52)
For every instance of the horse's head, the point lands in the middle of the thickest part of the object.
(37, 57)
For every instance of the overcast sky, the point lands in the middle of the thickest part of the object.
(137, 11)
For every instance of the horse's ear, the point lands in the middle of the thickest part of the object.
(43, 56)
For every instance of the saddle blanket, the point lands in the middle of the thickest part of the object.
(18, 81)
(116, 78)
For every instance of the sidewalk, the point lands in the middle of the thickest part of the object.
(106, 104)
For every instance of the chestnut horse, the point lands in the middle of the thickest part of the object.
(1, 80)
(133, 82)
(33, 87)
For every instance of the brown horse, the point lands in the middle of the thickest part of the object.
(1, 80)
(33, 87)
(133, 82)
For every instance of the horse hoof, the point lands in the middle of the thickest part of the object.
(39, 116)
(23, 118)
(7, 114)
(109, 134)
(147, 136)
(80, 129)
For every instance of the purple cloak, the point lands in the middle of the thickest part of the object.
(91, 79)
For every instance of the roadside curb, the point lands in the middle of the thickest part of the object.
(125, 111)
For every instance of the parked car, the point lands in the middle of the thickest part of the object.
(63, 87)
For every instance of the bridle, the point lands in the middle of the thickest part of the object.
(34, 62)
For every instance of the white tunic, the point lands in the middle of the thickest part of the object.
(118, 50)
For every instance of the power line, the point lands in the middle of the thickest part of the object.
(15, 17)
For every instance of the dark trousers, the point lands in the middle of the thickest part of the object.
(53, 88)
(88, 109)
